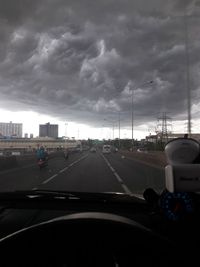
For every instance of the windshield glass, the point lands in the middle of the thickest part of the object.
(116, 78)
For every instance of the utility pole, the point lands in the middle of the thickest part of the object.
(187, 73)
(113, 128)
(66, 129)
(132, 110)
(132, 142)
(119, 130)
(78, 133)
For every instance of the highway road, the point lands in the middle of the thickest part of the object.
(85, 172)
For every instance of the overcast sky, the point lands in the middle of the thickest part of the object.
(77, 61)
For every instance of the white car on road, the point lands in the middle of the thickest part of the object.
(106, 149)
(93, 149)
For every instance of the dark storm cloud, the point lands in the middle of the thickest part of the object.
(78, 60)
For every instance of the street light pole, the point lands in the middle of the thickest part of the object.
(119, 130)
(66, 129)
(132, 143)
(187, 73)
(132, 112)
(65, 135)
(113, 127)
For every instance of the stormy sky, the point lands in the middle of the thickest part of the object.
(79, 60)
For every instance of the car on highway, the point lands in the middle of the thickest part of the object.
(66, 153)
(106, 149)
(93, 150)
(79, 148)
(92, 76)
(142, 150)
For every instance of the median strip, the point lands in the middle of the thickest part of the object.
(152, 161)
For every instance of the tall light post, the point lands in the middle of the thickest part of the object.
(119, 129)
(78, 134)
(132, 142)
(113, 127)
(187, 73)
(66, 135)
(132, 110)
(66, 124)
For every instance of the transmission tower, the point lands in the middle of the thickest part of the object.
(163, 126)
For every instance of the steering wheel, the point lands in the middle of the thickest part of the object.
(88, 239)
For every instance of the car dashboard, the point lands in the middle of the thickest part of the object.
(183, 234)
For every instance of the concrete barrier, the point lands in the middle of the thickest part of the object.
(156, 158)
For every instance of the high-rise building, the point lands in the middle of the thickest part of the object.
(48, 130)
(31, 135)
(11, 129)
(25, 135)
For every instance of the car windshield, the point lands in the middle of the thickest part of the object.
(83, 76)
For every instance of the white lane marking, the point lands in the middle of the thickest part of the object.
(119, 179)
(112, 169)
(49, 179)
(66, 168)
(61, 171)
(126, 189)
(139, 196)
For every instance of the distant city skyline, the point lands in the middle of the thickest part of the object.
(11, 129)
(49, 130)
(31, 121)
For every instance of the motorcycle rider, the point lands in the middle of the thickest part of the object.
(42, 154)
(66, 153)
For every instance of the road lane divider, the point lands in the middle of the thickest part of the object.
(119, 179)
(49, 179)
(63, 170)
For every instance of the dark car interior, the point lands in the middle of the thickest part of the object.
(59, 229)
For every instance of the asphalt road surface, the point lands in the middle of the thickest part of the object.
(85, 172)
